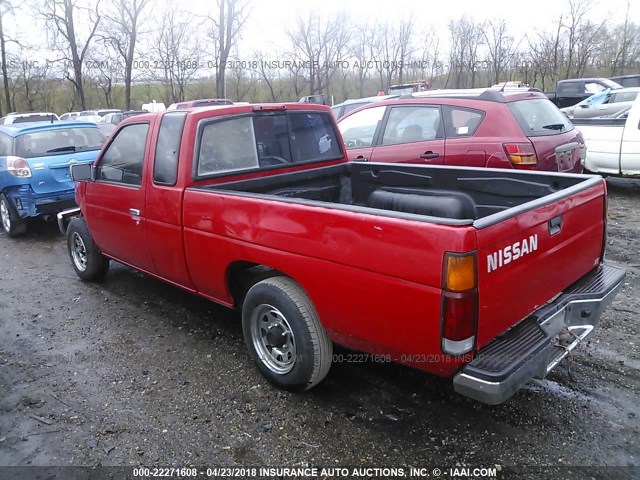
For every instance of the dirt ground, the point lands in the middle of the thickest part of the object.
(132, 371)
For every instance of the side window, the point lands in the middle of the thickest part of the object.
(592, 88)
(227, 145)
(569, 88)
(165, 165)
(412, 124)
(351, 107)
(6, 145)
(462, 122)
(359, 129)
(624, 97)
(123, 160)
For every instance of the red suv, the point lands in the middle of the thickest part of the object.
(475, 128)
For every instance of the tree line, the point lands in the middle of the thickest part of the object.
(128, 52)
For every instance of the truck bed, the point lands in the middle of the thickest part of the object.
(444, 195)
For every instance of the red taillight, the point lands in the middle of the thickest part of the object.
(18, 167)
(459, 303)
(521, 155)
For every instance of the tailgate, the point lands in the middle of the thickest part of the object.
(528, 259)
(50, 174)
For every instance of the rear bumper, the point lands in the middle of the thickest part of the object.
(31, 204)
(536, 345)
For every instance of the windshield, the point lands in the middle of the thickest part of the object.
(402, 90)
(539, 117)
(58, 142)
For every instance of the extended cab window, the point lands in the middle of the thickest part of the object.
(265, 140)
(165, 166)
(123, 160)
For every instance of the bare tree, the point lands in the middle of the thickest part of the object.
(6, 8)
(121, 29)
(227, 21)
(177, 51)
(64, 18)
(500, 47)
(321, 46)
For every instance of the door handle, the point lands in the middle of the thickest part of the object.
(360, 158)
(555, 225)
(134, 211)
(429, 155)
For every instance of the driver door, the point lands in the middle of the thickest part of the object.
(360, 130)
(114, 202)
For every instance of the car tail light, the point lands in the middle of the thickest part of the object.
(521, 155)
(18, 167)
(459, 302)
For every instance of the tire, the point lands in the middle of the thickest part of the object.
(90, 265)
(284, 336)
(12, 224)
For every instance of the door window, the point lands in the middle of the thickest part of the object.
(359, 129)
(412, 124)
(593, 88)
(123, 160)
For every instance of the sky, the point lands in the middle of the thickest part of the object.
(265, 29)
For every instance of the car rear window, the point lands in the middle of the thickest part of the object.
(539, 117)
(58, 142)
(262, 141)
(33, 118)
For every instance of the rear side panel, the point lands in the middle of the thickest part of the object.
(526, 260)
(603, 145)
(374, 280)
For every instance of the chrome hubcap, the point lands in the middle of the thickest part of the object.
(78, 252)
(273, 339)
(4, 214)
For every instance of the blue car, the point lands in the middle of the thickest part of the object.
(34, 168)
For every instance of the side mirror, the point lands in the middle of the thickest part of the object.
(82, 172)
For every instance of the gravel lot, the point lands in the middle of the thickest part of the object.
(132, 371)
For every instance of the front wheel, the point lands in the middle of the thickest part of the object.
(284, 336)
(12, 224)
(88, 262)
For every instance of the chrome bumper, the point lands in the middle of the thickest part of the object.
(65, 216)
(536, 345)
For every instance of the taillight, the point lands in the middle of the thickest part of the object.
(521, 155)
(604, 223)
(18, 167)
(459, 303)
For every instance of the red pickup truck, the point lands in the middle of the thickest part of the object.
(488, 276)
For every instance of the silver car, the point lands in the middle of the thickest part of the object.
(615, 101)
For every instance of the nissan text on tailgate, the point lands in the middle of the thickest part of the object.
(487, 276)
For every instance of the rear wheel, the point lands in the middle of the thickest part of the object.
(89, 264)
(12, 224)
(284, 336)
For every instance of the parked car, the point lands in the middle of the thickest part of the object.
(473, 274)
(475, 128)
(29, 117)
(603, 104)
(572, 91)
(116, 117)
(613, 143)
(319, 99)
(341, 109)
(100, 112)
(154, 107)
(205, 102)
(34, 168)
(628, 80)
(69, 116)
(409, 88)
